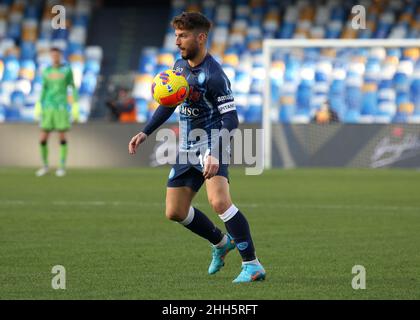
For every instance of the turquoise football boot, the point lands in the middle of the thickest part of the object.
(250, 273)
(219, 255)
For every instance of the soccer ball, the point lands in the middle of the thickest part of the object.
(170, 88)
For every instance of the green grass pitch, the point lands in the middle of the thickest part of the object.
(310, 227)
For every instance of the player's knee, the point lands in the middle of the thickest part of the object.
(175, 214)
(220, 205)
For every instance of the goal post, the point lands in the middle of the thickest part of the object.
(269, 47)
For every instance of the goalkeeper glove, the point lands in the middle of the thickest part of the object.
(75, 111)
(38, 110)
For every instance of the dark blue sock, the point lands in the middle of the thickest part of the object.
(198, 223)
(238, 228)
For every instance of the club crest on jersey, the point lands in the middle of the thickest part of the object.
(201, 78)
(169, 88)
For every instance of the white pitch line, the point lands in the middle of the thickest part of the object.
(246, 205)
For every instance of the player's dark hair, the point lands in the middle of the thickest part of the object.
(56, 49)
(192, 21)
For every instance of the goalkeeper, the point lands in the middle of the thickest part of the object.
(52, 109)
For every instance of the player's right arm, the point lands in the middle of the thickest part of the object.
(159, 117)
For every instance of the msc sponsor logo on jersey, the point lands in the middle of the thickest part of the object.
(188, 111)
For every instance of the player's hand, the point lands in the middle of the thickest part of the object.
(38, 111)
(75, 111)
(136, 141)
(211, 166)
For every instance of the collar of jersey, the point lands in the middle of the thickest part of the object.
(199, 65)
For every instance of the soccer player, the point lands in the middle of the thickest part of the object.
(52, 109)
(210, 105)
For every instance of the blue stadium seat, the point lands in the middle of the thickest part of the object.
(88, 83)
(353, 97)
(254, 112)
(59, 34)
(11, 68)
(2, 113)
(28, 51)
(80, 20)
(303, 98)
(287, 29)
(336, 97)
(12, 115)
(241, 101)
(402, 97)
(369, 103)
(92, 66)
(142, 110)
(415, 93)
(14, 31)
(148, 61)
(287, 109)
(27, 69)
(351, 116)
(32, 12)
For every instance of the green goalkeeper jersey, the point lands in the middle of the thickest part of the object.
(55, 82)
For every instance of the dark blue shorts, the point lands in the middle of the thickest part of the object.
(187, 175)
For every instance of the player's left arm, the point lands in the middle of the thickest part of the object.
(38, 104)
(220, 93)
(75, 109)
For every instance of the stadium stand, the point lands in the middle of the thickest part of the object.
(26, 34)
(361, 85)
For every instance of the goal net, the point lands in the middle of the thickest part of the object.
(341, 102)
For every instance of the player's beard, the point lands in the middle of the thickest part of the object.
(191, 53)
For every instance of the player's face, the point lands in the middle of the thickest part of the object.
(188, 43)
(55, 57)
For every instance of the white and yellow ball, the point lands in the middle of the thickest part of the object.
(170, 88)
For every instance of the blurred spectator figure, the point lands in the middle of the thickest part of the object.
(122, 106)
(325, 115)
